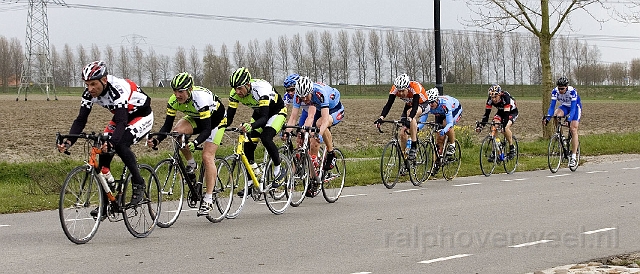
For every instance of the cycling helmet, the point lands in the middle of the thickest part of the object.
(433, 94)
(290, 81)
(562, 82)
(495, 90)
(402, 81)
(304, 86)
(182, 80)
(240, 77)
(94, 70)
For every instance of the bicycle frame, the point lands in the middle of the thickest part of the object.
(239, 152)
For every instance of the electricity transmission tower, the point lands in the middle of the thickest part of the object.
(37, 68)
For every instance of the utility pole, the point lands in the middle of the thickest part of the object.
(37, 68)
(438, 45)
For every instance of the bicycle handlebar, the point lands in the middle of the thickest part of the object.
(98, 139)
(303, 128)
(182, 137)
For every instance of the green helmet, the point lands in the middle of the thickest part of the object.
(182, 80)
(240, 77)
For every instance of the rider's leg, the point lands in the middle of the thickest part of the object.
(184, 126)
(573, 127)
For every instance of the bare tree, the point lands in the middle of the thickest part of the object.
(536, 17)
(313, 48)
(426, 55)
(123, 62)
(515, 49)
(283, 53)
(69, 66)
(56, 61)
(238, 54)
(210, 66)
(5, 61)
(481, 54)
(164, 63)
(152, 67)
(95, 52)
(138, 66)
(634, 69)
(180, 60)
(17, 58)
(253, 53)
(110, 56)
(344, 54)
(618, 73)
(195, 66)
(296, 53)
(268, 61)
(327, 52)
(375, 51)
(225, 66)
(359, 44)
(83, 58)
(393, 52)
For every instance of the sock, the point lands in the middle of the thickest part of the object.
(192, 163)
(276, 170)
(208, 198)
(573, 156)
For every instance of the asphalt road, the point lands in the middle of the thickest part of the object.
(515, 223)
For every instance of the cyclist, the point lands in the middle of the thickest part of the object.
(570, 107)
(132, 119)
(447, 111)
(506, 115)
(415, 99)
(203, 113)
(324, 102)
(289, 87)
(269, 114)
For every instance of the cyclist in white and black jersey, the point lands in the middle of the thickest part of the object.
(132, 118)
(203, 114)
(269, 114)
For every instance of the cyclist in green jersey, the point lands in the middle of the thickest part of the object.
(203, 115)
(269, 114)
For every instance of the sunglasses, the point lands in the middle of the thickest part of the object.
(562, 88)
(290, 89)
(180, 90)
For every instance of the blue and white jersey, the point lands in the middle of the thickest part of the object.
(569, 100)
(325, 96)
(448, 107)
(288, 99)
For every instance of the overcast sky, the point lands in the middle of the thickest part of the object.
(165, 33)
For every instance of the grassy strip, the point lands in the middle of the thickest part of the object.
(35, 186)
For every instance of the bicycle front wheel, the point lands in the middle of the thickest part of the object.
(452, 163)
(390, 164)
(421, 168)
(511, 163)
(488, 155)
(301, 176)
(80, 194)
(273, 197)
(555, 153)
(333, 179)
(240, 184)
(222, 191)
(172, 189)
(142, 218)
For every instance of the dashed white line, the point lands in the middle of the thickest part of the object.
(598, 230)
(597, 171)
(406, 190)
(559, 175)
(361, 272)
(444, 258)
(631, 167)
(511, 180)
(531, 243)
(353, 195)
(470, 184)
(5, 225)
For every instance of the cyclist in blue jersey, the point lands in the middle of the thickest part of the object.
(324, 103)
(289, 98)
(203, 112)
(570, 107)
(447, 111)
(269, 114)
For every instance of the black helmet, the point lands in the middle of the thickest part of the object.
(562, 82)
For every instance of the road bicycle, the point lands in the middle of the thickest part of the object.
(394, 162)
(173, 175)
(86, 198)
(449, 164)
(560, 145)
(494, 151)
(317, 179)
(277, 199)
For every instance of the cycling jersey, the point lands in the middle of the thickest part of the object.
(122, 97)
(506, 107)
(448, 108)
(569, 102)
(261, 94)
(203, 110)
(324, 96)
(415, 95)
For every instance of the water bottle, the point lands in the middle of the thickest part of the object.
(499, 144)
(107, 181)
(408, 145)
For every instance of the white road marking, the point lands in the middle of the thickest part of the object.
(5, 225)
(470, 184)
(597, 171)
(353, 195)
(532, 243)
(598, 230)
(361, 272)
(406, 190)
(445, 258)
(559, 175)
(521, 179)
(631, 167)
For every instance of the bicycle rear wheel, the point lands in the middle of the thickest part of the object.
(555, 153)
(390, 165)
(511, 163)
(222, 191)
(80, 194)
(488, 155)
(172, 189)
(142, 218)
(301, 164)
(333, 179)
(274, 196)
(240, 184)
(452, 163)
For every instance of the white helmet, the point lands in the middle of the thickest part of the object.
(304, 86)
(433, 94)
(402, 81)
